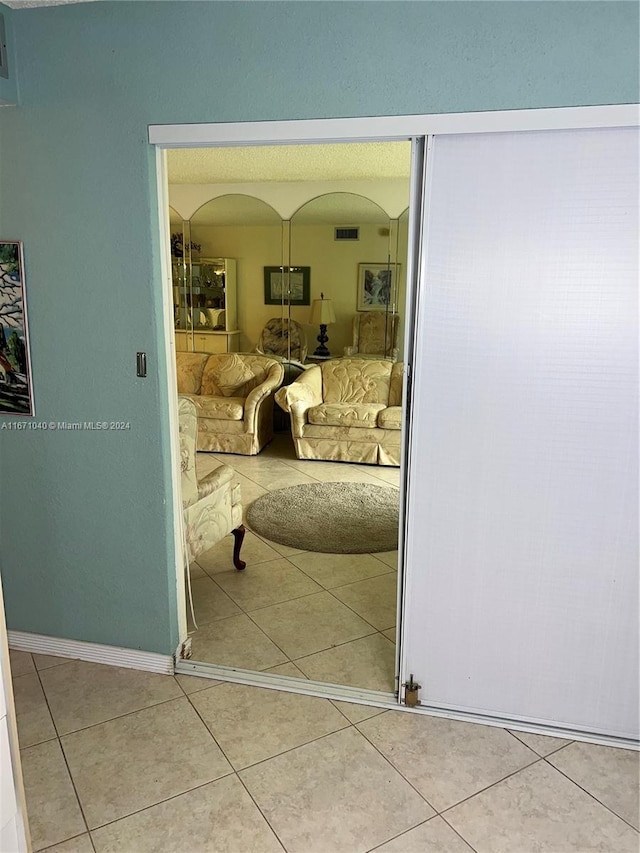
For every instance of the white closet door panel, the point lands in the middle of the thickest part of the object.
(522, 587)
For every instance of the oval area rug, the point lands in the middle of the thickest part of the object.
(334, 518)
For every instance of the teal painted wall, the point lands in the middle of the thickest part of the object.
(86, 548)
(8, 85)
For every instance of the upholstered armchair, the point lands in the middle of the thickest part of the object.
(283, 339)
(233, 395)
(375, 335)
(212, 506)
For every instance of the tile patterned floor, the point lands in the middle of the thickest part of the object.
(118, 761)
(332, 615)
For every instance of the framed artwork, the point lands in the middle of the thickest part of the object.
(290, 285)
(377, 286)
(16, 396)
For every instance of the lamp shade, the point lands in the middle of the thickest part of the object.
(322, 312)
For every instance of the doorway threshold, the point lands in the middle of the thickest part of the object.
(389, 701)
(288, 683)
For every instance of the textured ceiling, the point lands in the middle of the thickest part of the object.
(338, 162)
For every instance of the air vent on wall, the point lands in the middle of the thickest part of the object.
(346, 234)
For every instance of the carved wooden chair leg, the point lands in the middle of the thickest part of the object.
(238, 535)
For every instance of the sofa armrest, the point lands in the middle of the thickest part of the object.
(306, 390)
(301, 395)
(272, 381)
(214, 480)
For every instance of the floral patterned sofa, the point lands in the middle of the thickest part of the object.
(347, 410)
(212, 506)
(233, 395)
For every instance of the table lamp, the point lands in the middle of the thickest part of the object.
(322, 315)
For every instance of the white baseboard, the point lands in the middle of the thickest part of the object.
(94, 652)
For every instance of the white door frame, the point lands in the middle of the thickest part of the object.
(172, 384)
(310, 131)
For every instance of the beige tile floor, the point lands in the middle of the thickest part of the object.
(118, 761)
(331, 615)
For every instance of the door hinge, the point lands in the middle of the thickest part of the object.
(411, 692)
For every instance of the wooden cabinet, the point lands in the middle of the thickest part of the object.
(205, 305)
(207, 341)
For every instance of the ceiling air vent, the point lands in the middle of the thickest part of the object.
(346, 234)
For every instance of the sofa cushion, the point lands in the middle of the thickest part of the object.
(363, 415)
(221, 408)
(353, 380)
(260, 367)
(189, 367)
(225, 375)
(390, 418)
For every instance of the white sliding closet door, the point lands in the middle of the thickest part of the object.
(521, 597)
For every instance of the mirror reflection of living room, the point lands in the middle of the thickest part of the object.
(288, 282)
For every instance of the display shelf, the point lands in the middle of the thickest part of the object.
(205, 304)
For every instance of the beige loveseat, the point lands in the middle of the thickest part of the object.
(347, 410)
(233, 394)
